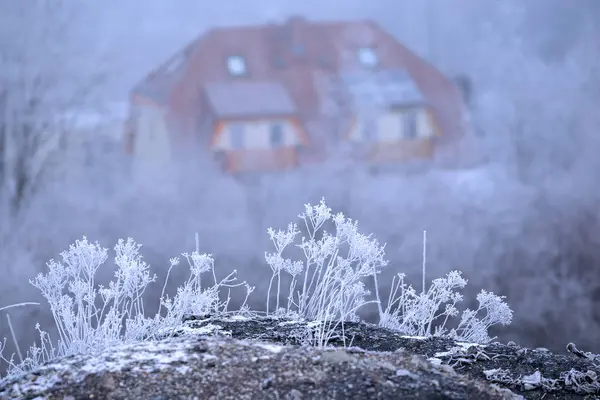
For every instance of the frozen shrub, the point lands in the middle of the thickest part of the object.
(70, 289)
(327, 286)
(191, 298)
(416, 313)
(473, 329)
(90, 318)
(328, 283)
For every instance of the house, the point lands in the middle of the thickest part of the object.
(93, 139)
(279, 95)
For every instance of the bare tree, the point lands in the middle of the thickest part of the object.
(43, 76)
(50, 69)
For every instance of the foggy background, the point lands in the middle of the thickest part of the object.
(524, 224)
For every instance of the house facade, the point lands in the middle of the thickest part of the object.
(261, 132)
(276, 96)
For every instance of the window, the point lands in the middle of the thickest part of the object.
(237, 132)
(276, 135)
(370, 129)
(236, 65)
(409, 124)
(367, 57)
(298, 49)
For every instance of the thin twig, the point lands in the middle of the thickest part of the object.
(28, 303)
(424, 258)
(14, 338)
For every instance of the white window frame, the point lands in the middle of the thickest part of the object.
(410, 124)
(237, 135)
(236, 65)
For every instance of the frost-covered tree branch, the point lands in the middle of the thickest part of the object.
(43, 77)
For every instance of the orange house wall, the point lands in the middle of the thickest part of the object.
(400, 151)
(261, 160)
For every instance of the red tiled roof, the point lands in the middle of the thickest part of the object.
(293, 55)
(249, 99)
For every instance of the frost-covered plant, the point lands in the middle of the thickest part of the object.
(416, 313)
(191, 298)
(70, 289)
(91, 318)
(327, 288)
(474, 329)
(328, 284)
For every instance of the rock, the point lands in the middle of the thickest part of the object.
(269, 358)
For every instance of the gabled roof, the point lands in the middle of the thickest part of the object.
(249, 99)
(292, 57)
(159, 84)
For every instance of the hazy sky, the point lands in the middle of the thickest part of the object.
(138, 35)
(131, 37)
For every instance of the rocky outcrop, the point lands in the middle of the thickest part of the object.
(266, 358)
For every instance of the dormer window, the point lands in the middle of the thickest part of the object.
(236, 65)
(367, 57)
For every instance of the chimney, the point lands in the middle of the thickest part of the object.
(287, 42)
(296, 46)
